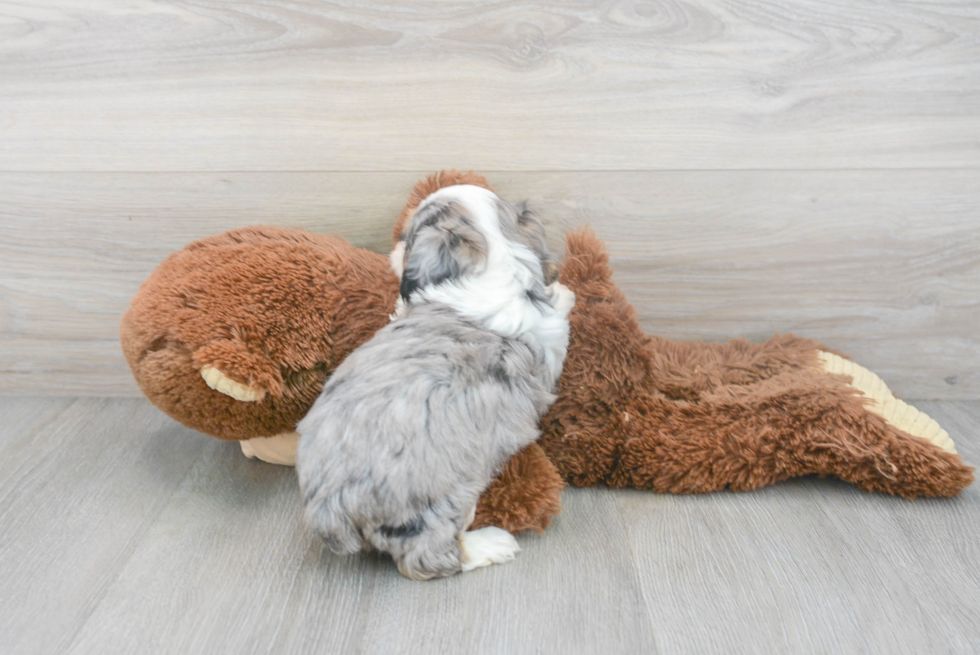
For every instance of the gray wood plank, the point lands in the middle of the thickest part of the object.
(122, 533)
(587, 85)
(884, 265)
(573, 590)
(21, 416)
(813, 565)
(79, 485)
(229, 568)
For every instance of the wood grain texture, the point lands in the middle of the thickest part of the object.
(883, 265)
(206, 85)
(121, 532)
(230, 568)
(814, 565)
(80, 481)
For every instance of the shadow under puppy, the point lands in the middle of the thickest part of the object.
(414, 424)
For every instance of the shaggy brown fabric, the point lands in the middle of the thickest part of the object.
(279, 309)
(690, 417)
(273, 308)
(525, 495)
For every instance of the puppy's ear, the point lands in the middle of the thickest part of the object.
(530, 232)
(443, 244)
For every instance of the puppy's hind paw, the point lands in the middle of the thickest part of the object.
(487, 546)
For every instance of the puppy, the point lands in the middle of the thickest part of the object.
(413, 426)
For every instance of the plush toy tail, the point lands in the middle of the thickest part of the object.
(690, 417)
(796, 423)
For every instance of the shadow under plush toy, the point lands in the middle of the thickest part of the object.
(236, 334)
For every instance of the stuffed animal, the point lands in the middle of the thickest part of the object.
(236, 334)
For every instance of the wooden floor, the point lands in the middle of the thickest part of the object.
(122, 532)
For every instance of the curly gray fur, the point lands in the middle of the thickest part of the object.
(412, 427)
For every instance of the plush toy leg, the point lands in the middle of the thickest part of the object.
(897, 413)
(797, 423)
(280, 449)
(638, 411)
(525, 496)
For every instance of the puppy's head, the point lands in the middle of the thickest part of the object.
(464, 230)
(442, 243)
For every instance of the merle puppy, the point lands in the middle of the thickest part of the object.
(412, 427)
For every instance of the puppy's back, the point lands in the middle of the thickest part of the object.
(410, 429)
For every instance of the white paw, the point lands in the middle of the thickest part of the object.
(221, 382)
(564, 298)
(487, 546)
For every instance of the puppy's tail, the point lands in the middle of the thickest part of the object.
(333, 524)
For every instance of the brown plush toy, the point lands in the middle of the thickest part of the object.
(235, 335)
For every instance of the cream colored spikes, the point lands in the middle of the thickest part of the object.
(221, 382)
(900, 414)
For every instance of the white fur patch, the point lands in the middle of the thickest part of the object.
(487, 546)
(565, 300)
(496, 296)
(397, 259)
